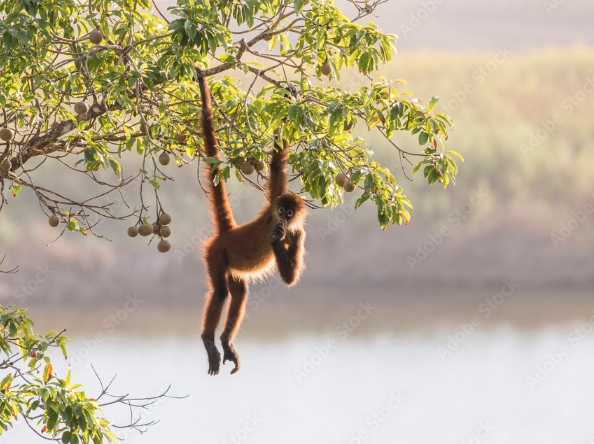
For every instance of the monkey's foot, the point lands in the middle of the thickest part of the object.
(231, 355)
(214, 357)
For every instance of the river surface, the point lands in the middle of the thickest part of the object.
(454, 386)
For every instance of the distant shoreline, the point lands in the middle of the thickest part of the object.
(318, 309)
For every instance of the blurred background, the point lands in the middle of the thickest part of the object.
(473, 323)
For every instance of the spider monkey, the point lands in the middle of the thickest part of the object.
(237, 254)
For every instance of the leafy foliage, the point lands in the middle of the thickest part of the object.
(54, 407)
(140, 85)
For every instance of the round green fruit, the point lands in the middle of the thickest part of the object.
(96, 36)
(6, 134)
(165, 219)
(349, 186)
(54, 220)
(247, 168)
(164, 158)
(81, 108)
(145, 230)
(133, 231)
(260, 166)
(341, 179)
(326, 68)
(165, 232)
(163, 246)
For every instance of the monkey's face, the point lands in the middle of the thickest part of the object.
(291, 210)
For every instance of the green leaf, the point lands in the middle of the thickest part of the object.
(47, 373)
(6, 381)
(72, 224)
(433, 102)
(226, 58)
(213, 161)
(423, 138)
(115, 166)
(417, 166)
(155, 184)
(454, 153)
(432, 178)
(298, 5)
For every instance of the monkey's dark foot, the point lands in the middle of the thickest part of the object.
(231, 355)
(214, 357)
(278, 233)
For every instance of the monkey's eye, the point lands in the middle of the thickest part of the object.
(281, 210)
(289, 213)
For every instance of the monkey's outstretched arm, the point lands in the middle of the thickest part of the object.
(289, 258)
(278, 171)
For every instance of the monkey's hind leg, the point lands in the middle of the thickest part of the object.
(212, 315)
(238, 290)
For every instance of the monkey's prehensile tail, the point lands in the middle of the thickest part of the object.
(218, 197)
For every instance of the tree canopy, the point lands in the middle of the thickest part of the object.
(87, 83)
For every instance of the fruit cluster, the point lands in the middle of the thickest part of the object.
(342, 180)
(158, 228)
(249, 166)
(7, 135)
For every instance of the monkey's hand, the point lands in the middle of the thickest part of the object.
(230, 354)
(214, 357)
(278, 233)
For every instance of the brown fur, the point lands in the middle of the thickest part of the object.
(238, 254)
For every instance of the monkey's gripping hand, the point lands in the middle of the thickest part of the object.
(231, 355)
(279, 232)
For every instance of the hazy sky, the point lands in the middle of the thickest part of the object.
(484, 24)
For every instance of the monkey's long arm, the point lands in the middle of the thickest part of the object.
(278, 171)
(289, 259)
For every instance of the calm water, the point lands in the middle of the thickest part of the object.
(381, 390)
